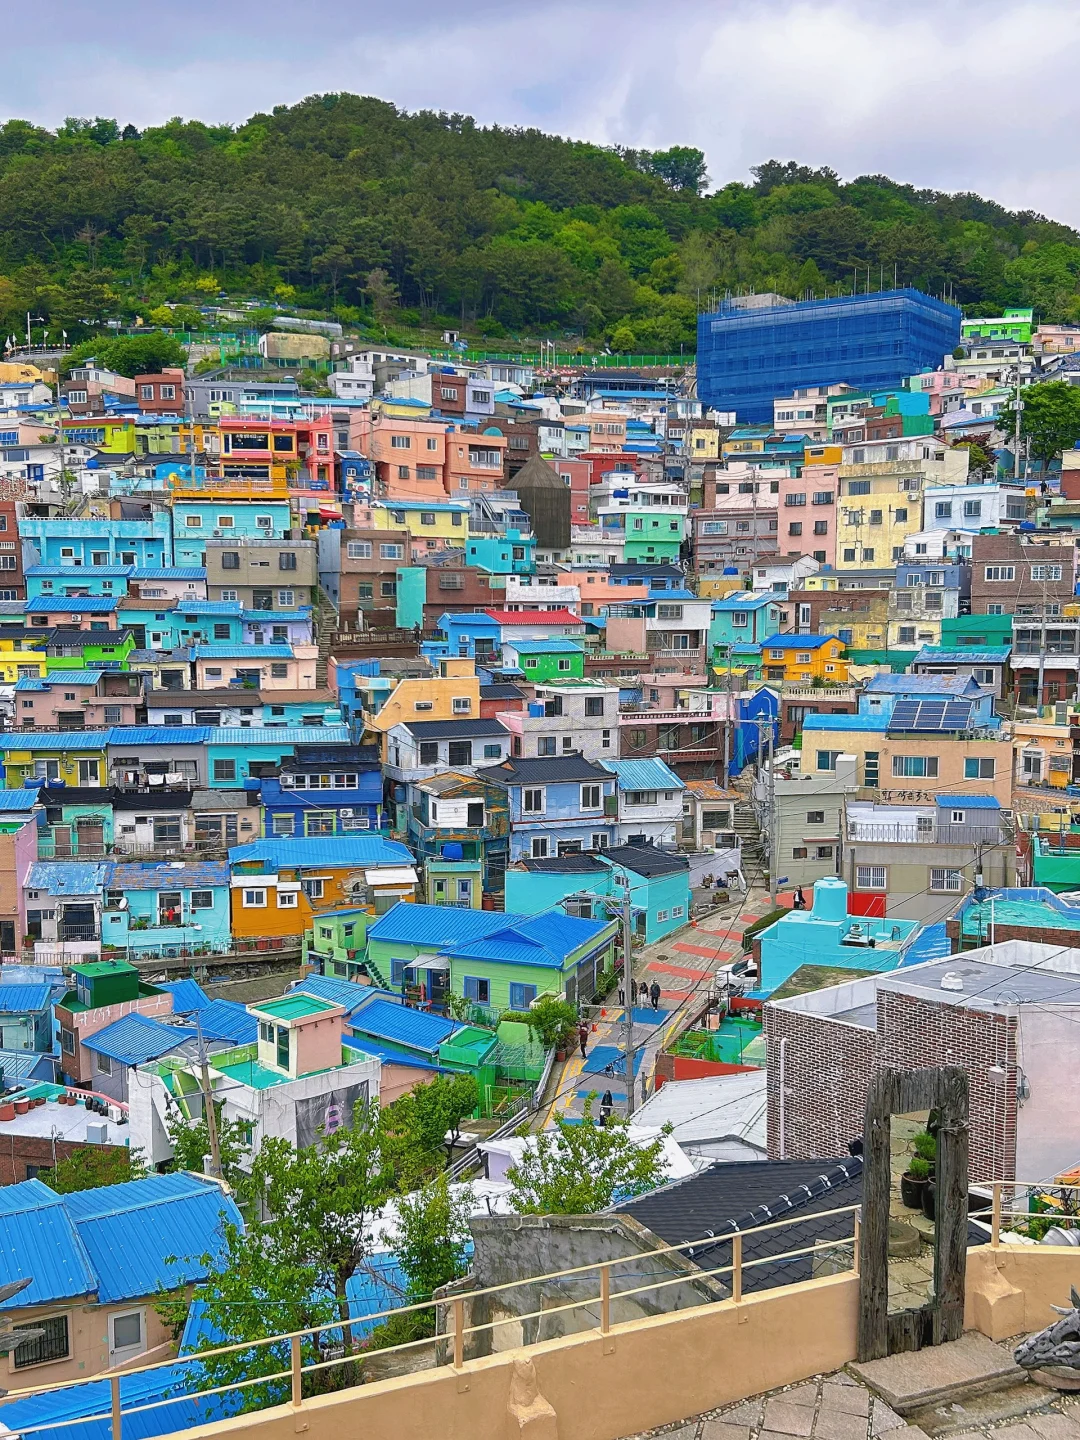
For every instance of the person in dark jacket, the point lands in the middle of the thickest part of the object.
(607, 1104)
(643, 992)
(583, 1036)
(654, 995)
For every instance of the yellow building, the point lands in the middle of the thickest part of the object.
(392, 408)
(802, 659)
(703, 442)
(859, 629)
(715, 587)
(433, 526)
(879, 506)
(77, 758)
(103, 432)
(20, 657)
(451, 694)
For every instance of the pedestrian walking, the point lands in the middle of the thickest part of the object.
(622, 996)
(643, 992)
(654, 995)
(644, 1087)
(583, 1036)
(607, 1104)
(799, 903)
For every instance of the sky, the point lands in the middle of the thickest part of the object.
(935, 93)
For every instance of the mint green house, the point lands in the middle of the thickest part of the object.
(335, 943)
(498, 961)
(553, 658)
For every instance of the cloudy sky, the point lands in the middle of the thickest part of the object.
(937, 93)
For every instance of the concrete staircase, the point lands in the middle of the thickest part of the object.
(748, 830)
(325, 624)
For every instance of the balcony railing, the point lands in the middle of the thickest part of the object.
(910, 834)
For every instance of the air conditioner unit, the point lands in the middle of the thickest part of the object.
(345, 812)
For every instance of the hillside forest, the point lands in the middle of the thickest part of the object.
(347, 205)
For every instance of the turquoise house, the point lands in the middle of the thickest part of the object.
(411, 596)
(594, 884)
(236, 755)
(743, 618)
(277, 627)
(98, 540)
(188, 622)
(166, 909)
(196, 521)
(511, 553)
(828, 935)
(50, 581)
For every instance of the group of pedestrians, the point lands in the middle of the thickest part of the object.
(650, 993)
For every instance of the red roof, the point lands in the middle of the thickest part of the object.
(528, 617)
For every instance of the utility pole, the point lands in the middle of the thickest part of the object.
(208, 1103)
(1018, 406)
(773, 836)
(628, 991)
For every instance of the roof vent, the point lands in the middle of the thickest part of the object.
(952, 981)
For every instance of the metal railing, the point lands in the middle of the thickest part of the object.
(446, 1348)
(1004, 1209)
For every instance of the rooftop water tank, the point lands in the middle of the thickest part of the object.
(830, 899)
(536, 712)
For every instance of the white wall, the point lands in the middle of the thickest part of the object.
(1048, 1123)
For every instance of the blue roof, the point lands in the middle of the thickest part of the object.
(920, 685)
(182, 875)
(159, 734)
(366, 1047)
(746, 600)
(80, 574)
(549, 645)
(228, 1020)
(543, 940)
(436, 925)
(282, 734)
(207, 607)
(340, 850)
(69, 877)
(39, 1242)
(796, 642)
(77, 1402)
(846, 722)
(444, 505)
(237, 651)
(997, 655)
(77, 604)
(644, 774)
(19, 799)
(187, 995)
(169, 572)
(149, 1235)
(60, 677)
(328, 987)
(404, 1026)
(968, 802)
(134, 1039)
(18, 1065)
(16, 999)
(55, 740)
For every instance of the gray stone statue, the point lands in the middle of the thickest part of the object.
(1057, 1345)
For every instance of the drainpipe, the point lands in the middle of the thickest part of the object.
(783, 1084)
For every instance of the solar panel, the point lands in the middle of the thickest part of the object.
(957, 715)
(931, 715)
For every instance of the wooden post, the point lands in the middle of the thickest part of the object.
(459, 1334)
(117, 1416)
(736, 1268)
(605, 1299)
(856, 1242)
(297, 1373)
(995, 1217)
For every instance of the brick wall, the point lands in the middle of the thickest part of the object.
(827, 1069)
(36, 1151)
(1037, 935)
(1011, 550)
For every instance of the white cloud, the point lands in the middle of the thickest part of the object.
(939, 94)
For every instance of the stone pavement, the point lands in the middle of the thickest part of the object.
(683, 963)
(838, 1407)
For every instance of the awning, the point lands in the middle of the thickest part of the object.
(437, 964)
(404, 875)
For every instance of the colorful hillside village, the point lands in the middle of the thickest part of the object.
(635, 750)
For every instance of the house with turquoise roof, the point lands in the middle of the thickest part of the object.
(743, 618)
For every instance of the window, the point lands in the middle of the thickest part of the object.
(462, 705)
(476, 988)
(459, 752)
(972, 509)
(545, 745)
(867, 556)
(391, 552)
(920, 767)
(978, 769)
(799, 852)
(286, 598)
(388, 589)
(426, 472)
(286, 560)
(539, 847)
(113, 715)
(875, 517)
(358, 549)
(858, 487)
(943, 510)
(521, 996)
(826, 759)
(532, 802)
(103, 1064)
(193, 522)
(279, 671)
(52, 1344)
(590, 797)
(823, 497)
(594, 705)
(815, 817)
(870, 877)
(951, 881)
(88, 772)
(795, 529)
(228, 595)
(224, 769)
(821, 527)
(254, 899)
(823, 852)
(230, 560)
(400, 442)
(313, 888)
(794, 500)
(900, 515)
(1046, 572)
(1000, 572)
(849, 555)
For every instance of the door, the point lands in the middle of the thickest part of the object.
(90, 835)
(62, 842)
(127, 1336)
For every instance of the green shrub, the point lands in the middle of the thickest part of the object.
(925, 1145)
(919, 1169)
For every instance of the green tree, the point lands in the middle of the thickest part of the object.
(415, 1127)
(133, 355)
(433, 1237)
(94, 1165)
(580, 1168)
(1050, 419)
(190, 1141)
(682, 167)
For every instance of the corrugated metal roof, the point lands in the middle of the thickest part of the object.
(543, 771)
(74, 604)
(19, 799)
(80, 573)
(548, 645)
(436, 925)
(921, 685)
(38, 1242)
(239, 652)
(60, 677)
(187, 995)
(170, 572)
(56, 740)
(533, 617)
(486, 934)
(643, 775)
(135, 1039)
(153, 1234)
(159, 735)
(367, 1048)
(207, 607)
(401, 1025)
(279, 735)
(796, 642)
(745, 600)
(329, 987)
(228, 1020)
(26, 1065)
(16, 999)
(69, 877)
(179, 875)
(340, 850)
(995, 655)
(968, 802)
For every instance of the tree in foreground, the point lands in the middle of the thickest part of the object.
(1049, 421)
(581, 1168)
(421, 1128)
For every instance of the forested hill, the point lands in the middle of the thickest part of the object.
(519, 231)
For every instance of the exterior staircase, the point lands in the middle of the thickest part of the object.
(325, 619)
(749, 832)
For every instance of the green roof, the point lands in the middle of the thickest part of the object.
(816, 977)
(293, 1007)
(94, 968)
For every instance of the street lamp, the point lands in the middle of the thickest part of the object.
(29, 318)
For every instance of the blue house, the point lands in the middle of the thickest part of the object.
(743, 618)
(235, 754)
(323, 790)
(639, 572)
(558, 805)
(277, 627)
(885, 692)
(57, 580)
(828, 935)
(196, 521)
(658, 885)
(169, 908)
(96, 540)
(511, 553)
(470, 635)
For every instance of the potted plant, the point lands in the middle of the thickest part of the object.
(913, 1182)
(929, 1199)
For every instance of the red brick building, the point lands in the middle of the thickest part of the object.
(161, 394)
(1015, 575)
(12, 578)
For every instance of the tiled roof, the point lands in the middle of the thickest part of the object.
(462, 729)
(546, 771)
(647, 860)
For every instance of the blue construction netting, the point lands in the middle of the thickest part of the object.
(749, 357)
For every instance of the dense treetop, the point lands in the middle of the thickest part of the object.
(510, 229)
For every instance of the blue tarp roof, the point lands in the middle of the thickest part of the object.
(135, 1039)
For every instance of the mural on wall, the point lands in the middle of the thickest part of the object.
(323, 1114)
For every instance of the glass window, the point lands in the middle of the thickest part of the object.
(870, 877)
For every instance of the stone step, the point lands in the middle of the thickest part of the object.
(979, 1412)
(926, 1379)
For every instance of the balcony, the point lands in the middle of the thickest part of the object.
(693, 654)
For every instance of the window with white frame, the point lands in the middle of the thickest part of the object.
(950, 881)
(358, 549)
(1000, 572)
(254, 899)
(591, 797)
(1046, 572)
(870, 877)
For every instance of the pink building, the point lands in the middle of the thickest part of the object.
(409, 456)
(262, 667)
(78, 700)
(577, 474)
(944, 389)
(474, 461)
(598, 590)
(806, 514)
(299, 1034)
